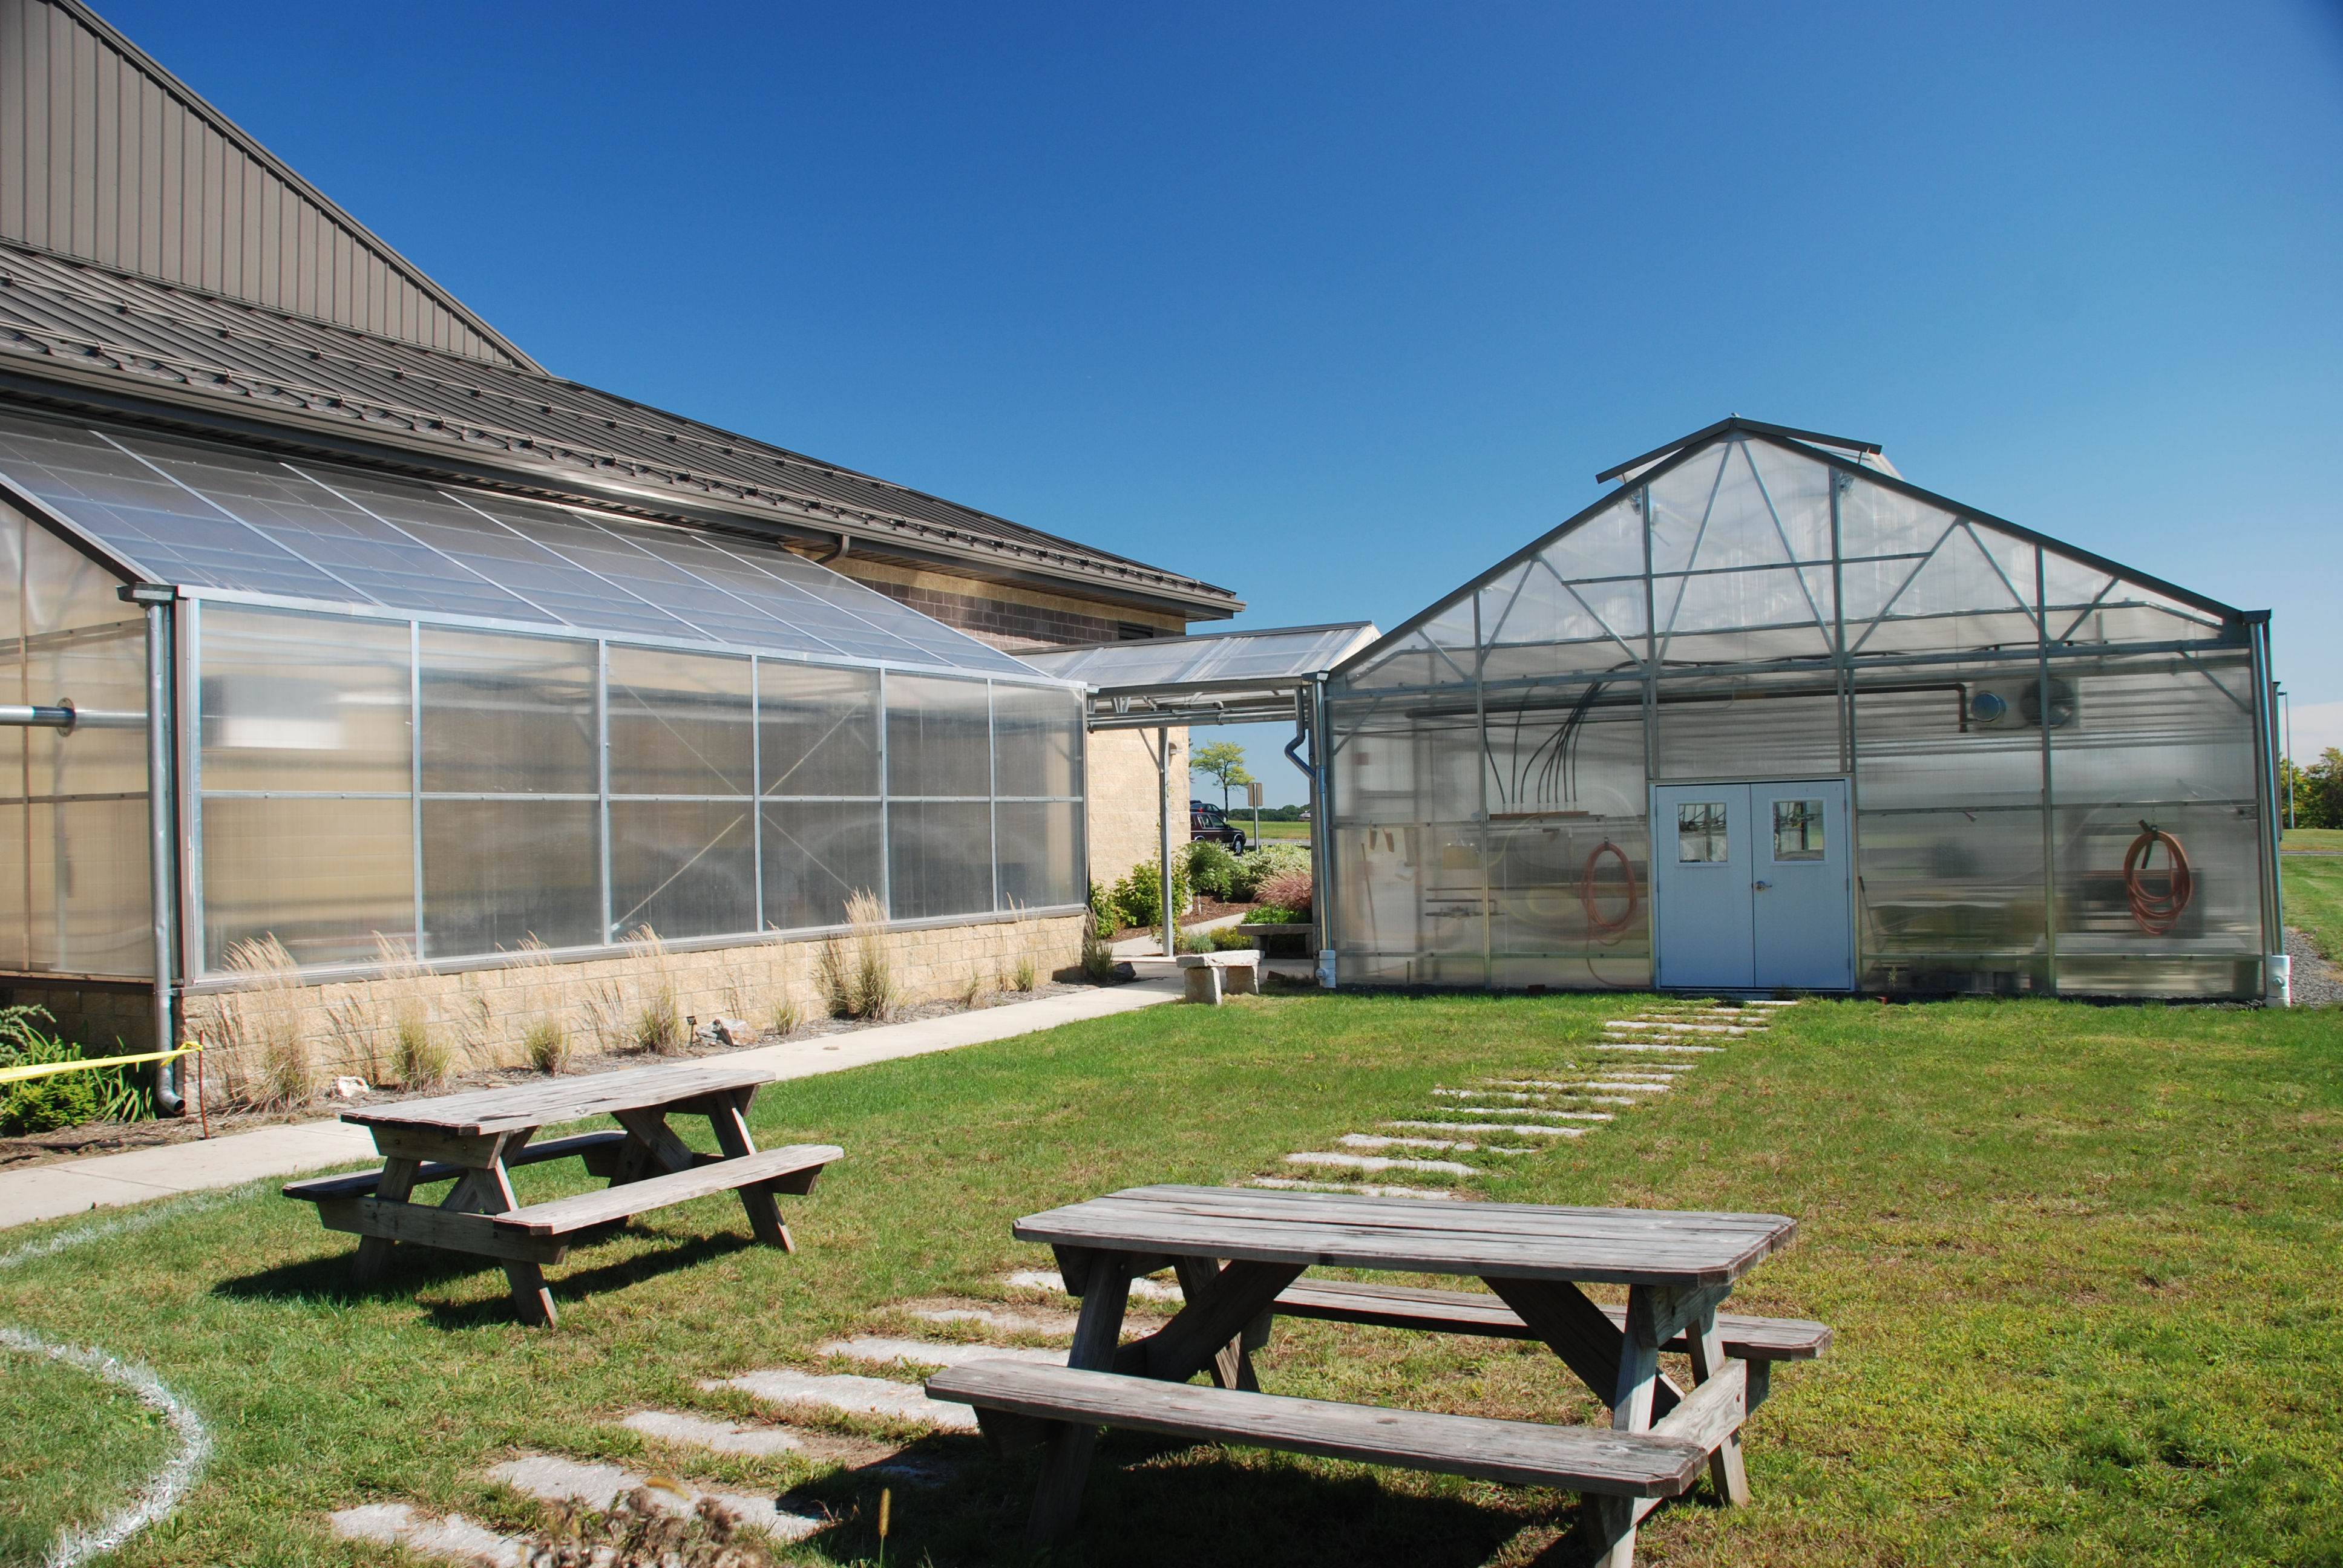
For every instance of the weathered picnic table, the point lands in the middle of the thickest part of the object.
(475, 1139)
(1240, 1254)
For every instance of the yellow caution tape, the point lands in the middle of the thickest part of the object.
(48, 1068)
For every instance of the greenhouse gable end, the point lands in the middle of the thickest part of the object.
(1769, 717)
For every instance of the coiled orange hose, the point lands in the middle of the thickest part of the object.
(1607, 932)
(2153, 913)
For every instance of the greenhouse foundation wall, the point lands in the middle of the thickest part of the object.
(483, 1015)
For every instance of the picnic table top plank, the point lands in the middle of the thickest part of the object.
(1510, 1241)
(480, 1111)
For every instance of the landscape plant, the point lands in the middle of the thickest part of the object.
(1212, 870)
(1139, 896)
(420, 1054)
(658, 1023)
(1264, 861)
(1098, 949)
(267, 1060)
(42, 1104)
(546, 1038)
(856, 972)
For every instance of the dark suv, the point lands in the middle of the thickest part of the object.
(1206, 820)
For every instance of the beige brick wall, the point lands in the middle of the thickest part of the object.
(1123, 825)
(483, 1015)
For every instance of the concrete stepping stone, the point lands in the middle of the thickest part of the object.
(1007, 1320)
(1143, 1289)
(1371, 1163)
(554, 1479)
(1651, 1046)
(1551, 1113)
(849, 1395)
(1524, 1128)
(716, 1436)
(1380, 1141)
(1287, 1184)
(1673, 1027)
(453, 1539)
(881, 1351)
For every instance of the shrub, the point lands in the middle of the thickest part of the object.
(1272, 915)
(1286, 889)
(1230, 938)
(856, 972)
(1257, 866)
(1212, 870)
(41, 1104)
(1139, 896)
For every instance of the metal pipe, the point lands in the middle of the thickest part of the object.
(1163, 828)
(168, 1099)
(67, 717)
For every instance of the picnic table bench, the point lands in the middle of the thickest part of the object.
(476, 1139)
(1240, 1254)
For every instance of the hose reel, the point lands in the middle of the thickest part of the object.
(2156, 913)
(1607, 932)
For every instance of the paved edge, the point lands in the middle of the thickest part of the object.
(107, 1181)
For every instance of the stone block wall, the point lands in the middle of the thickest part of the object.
(1124, 825)
(483, 1015)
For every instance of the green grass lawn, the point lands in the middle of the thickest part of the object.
(2300, 839)
(2081, 1262)
(1297, 831)
(77, 1449)
(2314, 899)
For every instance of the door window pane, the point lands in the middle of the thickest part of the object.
(1701, 832)
(1797, 829)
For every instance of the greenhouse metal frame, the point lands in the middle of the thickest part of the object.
(1826, 689)
(389, 722)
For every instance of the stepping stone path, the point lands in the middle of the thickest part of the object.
(1489, 1125)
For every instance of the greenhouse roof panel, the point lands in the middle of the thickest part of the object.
(201, 518)
(1287, 653)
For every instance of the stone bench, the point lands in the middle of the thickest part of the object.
(1210, 976)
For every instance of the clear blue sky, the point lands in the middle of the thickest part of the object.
(1336, 305)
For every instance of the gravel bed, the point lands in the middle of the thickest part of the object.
(2316, 981)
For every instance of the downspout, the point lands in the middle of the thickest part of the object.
(1327, 872)
(845, 543)
(1163, 828)
(170, 1099)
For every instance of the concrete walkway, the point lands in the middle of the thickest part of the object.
(104, 1180)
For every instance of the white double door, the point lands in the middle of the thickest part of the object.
(1752, 886)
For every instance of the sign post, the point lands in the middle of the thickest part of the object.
(1253, 798)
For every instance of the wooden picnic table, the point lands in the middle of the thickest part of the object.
(1236, 1250)
(475, 1139)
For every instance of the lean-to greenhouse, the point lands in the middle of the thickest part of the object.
(1767, 715)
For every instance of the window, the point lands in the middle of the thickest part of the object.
(1797, 829)
(1700, 831)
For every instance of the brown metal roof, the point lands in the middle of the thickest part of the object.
(96, 337)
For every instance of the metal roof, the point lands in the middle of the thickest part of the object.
(206, 518)
(128, 345)
(107, 157)
(1212, 677)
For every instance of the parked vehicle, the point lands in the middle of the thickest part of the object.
(1207, 821)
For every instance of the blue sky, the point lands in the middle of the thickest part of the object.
(1336, 305)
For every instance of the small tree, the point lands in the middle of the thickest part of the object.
(1223, 760)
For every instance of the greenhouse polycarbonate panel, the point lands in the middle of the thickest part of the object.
(508, 715)
(497, 874)
(331, 880)
(939, 859)
(819, 854)
(1037, 741)
(683, 868)
(1040, 853)
(681, 724)
(1284, 653)
(140, 515)
(818, 730)
(202, 517)
(292, 702)
(938, 736)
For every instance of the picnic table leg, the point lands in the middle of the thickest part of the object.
(732, 1137)
(532, 1300)
(1232, 1364)
(651, 1145)
(1058, 1500)
(374, 1251)
(1725, 1471)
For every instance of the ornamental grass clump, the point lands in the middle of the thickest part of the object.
(268, 1063)
(546, 1038)
(1098, 950)
(420, 1055)
(856, 972)
(659, 1017)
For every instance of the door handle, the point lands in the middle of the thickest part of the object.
(1753, 886)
